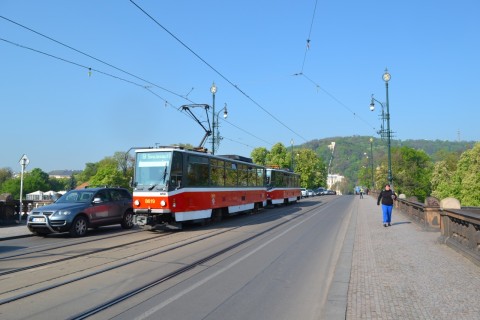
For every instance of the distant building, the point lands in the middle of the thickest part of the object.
(333, 179)
(62, 174)
(44, 196)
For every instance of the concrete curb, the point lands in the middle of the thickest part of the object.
(337, 297)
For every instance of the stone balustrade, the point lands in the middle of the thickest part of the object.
(461, 231)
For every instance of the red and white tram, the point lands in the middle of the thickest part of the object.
(173, 186)
(283, 186)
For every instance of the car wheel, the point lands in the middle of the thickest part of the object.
(127, 221)
(79, 227)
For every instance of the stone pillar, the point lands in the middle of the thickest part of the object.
(445, 226)
(431, 211)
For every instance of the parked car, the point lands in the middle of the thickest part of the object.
(330, 192)
(319, 191)
(304, 192)
(78, 210)
(310, 193)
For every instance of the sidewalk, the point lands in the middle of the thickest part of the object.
(14, 231)
(403, 272)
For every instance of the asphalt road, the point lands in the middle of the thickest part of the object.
(285, 272)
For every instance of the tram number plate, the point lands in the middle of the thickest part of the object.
(38, 220)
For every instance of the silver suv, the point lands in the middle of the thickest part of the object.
(78, 210)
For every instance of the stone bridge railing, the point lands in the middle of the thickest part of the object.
(459, 227)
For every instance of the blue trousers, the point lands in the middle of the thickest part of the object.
(387, 213)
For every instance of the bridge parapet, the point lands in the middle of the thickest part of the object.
(427, 214)
(461, 231)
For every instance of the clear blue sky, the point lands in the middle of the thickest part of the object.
(62, 118)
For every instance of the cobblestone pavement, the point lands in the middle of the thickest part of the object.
(403, 272)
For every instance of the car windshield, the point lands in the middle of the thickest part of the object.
(76, 196)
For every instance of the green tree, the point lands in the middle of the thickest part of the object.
(259, 155)
(278, 156)
(32, 181)
(89, 171)
(12, 186)
(59, 184)
(466, 179)
(109, 174)
(5, 174)
(36, 180)
(412, 171)
(442, 175)
(311, 169)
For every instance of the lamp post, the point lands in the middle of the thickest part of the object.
(24, 161)
(385, 116)
(215, 122)
(371, 160)
(213, 90)
(293, 166)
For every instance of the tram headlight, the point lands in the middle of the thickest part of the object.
(137, 202)
(163, 203)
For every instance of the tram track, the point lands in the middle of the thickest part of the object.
(85, 254)
(131, 259)
(77, 242)
(96, 251)
(183, 269)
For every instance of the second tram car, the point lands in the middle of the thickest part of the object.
(283, 187)
(173, 186)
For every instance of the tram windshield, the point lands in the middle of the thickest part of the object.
(152, 169)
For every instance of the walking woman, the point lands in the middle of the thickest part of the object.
(386, 197)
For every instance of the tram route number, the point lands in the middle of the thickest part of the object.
(150, 201)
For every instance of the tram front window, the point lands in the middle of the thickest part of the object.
(152, 170)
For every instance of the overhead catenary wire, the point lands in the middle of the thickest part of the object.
(335, 99)
(90, 70)
(146, 87)
(94, 58)
(302, 73)
(216, 71)
(307, 47)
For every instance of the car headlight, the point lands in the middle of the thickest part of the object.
(62, 213)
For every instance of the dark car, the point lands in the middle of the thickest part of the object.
(78, 210)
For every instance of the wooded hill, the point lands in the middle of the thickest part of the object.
(351, 153)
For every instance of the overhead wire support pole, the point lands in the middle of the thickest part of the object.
(389, 134)
(385, 133)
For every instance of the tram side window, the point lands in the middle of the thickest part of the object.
(217, 175)
(260, 177)
(252, 177)
(277, 179)
(231, 174)
(242, 175)
(197, 171)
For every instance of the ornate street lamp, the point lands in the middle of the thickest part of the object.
(385, 133)
(216, 122)
(24, 161)
(213, 90)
